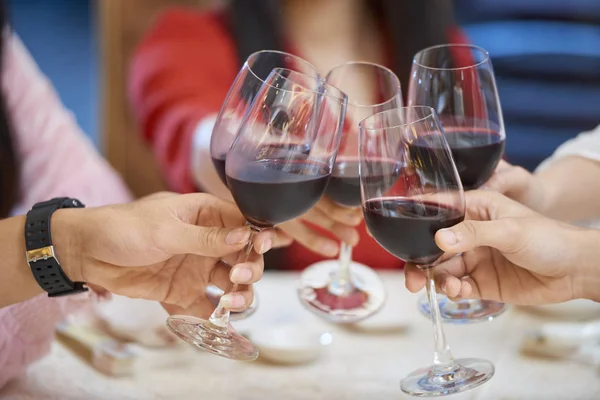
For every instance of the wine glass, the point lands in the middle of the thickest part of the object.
(246, 85)
(458, 82)
(346, 291)
(410, 190)
(237, 103)
(277, 169)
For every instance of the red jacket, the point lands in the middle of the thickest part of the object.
(180, 74)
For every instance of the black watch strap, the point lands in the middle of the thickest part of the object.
(40, 252)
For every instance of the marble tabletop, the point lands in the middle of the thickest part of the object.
(366, 362)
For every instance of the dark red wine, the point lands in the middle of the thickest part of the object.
(278, 150)
(271, 191)
(476, 154)
(406, 228)
(219, 164)
(344, 184)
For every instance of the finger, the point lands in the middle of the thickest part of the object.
(244, 294)
(282, 239)
(185, 238)
(238, 301)
(310, 239)
(504, 235)
(415, 278)
(268, 239)
(263, 241)
(246, 273)
(345, 233)
(509, 180)
(351, 216)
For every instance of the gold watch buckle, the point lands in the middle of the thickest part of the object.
(43, 253)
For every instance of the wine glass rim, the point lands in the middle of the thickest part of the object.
(431, 114)
(302, 60)
(398, 88)
(337, 92)
(486, 56)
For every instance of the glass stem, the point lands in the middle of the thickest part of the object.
(443, 362)
(220, 317)
(342, 282)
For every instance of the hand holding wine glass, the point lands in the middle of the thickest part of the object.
(403, 213)
(511, 254)
(277, 169)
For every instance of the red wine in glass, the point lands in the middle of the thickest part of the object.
(458, 81)
(406, 227)
(344, 185)
(277, 169)
(288, 188)
(405, 217)
(302, 149)
(476, 154)
(347, 291)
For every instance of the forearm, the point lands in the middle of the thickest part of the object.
(18, 283)
(571, 188)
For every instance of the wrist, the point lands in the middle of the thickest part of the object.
(586, 272)
(67, 241)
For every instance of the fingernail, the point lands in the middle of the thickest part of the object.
(329, 248)
(241, 275)
(238, 236)
(233, 300)
(448, 236)
(265, 246)
(443, 287)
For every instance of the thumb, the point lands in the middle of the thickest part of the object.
(207, 241)
(502, 234)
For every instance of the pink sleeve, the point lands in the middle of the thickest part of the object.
(27, 330)
(56, 159)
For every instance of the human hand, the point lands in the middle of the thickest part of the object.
(165, 247)
(339, 220)
(520, 185)
(514, 255)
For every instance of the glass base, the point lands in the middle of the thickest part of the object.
(224, 342)
(463, 375)
(464, 311)
(361, 298)
(214, 295)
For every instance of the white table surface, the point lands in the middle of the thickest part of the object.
(355, 366)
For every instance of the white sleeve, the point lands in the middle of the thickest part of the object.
(586, 145)
(204, 174)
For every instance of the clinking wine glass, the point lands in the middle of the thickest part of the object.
(404, 210)
(277, 169)
(458, 82)
(246, 85)
(346, 291)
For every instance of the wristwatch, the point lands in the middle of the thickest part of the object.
(40, 252)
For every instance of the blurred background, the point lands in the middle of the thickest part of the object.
(546, 55)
